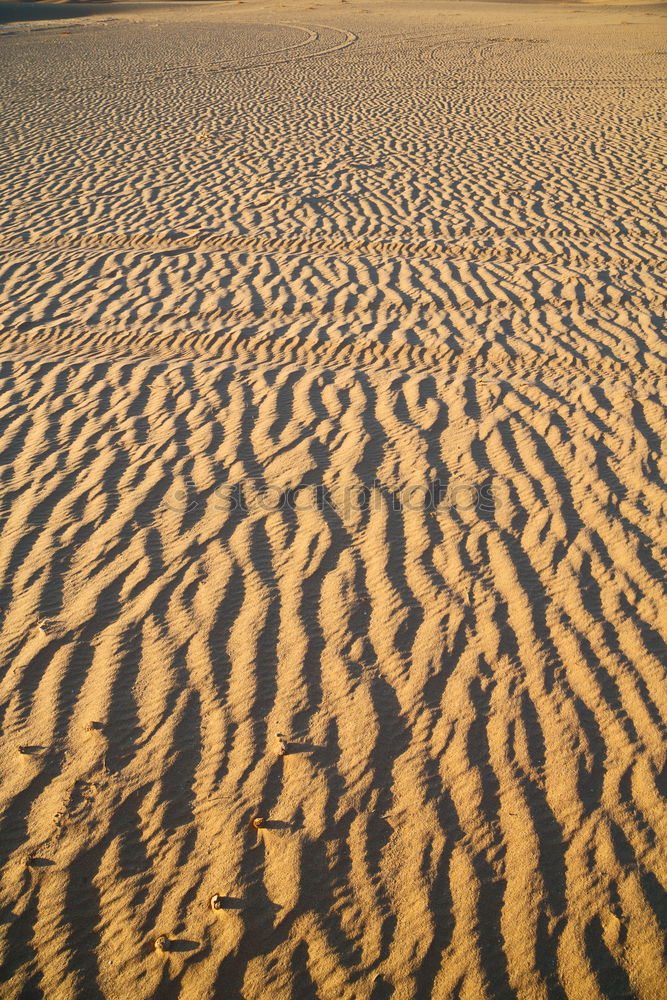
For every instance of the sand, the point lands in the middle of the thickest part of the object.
(333, 406)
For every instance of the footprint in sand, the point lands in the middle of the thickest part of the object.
(33, 861)
(162, 944)
(218, 902)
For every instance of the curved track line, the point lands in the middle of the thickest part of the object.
(349, 39)
(460, 40)
(311, 36)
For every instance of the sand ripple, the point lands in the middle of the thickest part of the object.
(278, 256)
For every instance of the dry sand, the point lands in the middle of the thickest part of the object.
(380, 245)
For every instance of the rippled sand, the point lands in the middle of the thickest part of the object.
(406, 261)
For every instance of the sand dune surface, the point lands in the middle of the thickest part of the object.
(332, 486)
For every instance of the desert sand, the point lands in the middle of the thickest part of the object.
(332, 431)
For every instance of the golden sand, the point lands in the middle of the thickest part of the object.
(332, 423)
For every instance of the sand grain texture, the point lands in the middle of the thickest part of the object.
(374, 247)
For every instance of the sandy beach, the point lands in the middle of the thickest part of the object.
(332, 490)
